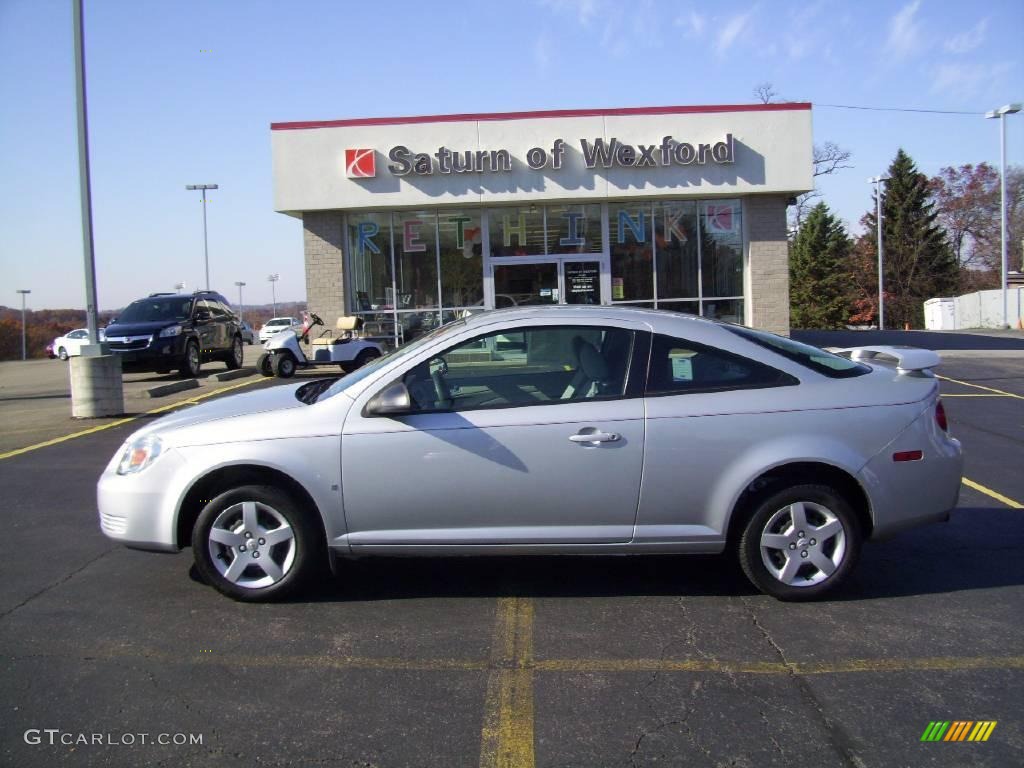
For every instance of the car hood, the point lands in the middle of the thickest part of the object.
(205, 423)
(139, 329)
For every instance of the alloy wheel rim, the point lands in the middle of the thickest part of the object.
(803, 544)
(238, 351)
(193, 357)
(252, 545)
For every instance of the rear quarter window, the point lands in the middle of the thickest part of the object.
(680, 366)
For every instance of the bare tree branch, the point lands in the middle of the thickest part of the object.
(829, 158)
(765, 93)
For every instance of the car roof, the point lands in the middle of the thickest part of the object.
(586, 313)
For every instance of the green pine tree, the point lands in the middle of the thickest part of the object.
(819, 291)
(918, 261)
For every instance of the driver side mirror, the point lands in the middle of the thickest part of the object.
(392, 400)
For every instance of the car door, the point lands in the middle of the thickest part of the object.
(520, 435)
(206, 326)
(75, 340)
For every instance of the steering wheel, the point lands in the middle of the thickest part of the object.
(316, 318)
(438, 370)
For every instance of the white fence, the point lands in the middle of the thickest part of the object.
(981, 309)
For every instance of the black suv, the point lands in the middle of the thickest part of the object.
(168, 331)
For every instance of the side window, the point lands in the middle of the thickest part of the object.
(679, 366)
(525, 366)
(77, 335)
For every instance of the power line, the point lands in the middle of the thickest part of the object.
(901, 109)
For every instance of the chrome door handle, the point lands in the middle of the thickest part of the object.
(594, 437)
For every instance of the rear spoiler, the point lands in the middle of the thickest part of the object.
(908, 359)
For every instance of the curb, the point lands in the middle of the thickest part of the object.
(240, 373)
(170, 389)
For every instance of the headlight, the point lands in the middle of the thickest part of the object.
(174, 330)
(139, 454)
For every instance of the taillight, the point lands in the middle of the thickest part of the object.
(940, 417)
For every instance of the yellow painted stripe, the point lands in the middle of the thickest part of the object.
(988, 731)
(974, 394)
(507, 734)
(979, 386)
(119, 422)
(977, 730)
(938, 664)
(994, 494)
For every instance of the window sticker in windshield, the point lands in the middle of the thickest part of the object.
(682, 364)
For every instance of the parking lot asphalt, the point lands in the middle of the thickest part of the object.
(585, 661)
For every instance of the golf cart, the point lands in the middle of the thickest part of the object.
(341, 347)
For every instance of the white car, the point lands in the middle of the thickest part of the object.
(275, 325)
(71, 343)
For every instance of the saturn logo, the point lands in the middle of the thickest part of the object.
(360, 163)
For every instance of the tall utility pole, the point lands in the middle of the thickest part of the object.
(23, 291)
(273, 293)
(206, 251)
(241, 306)
(877, 181)
(85, 189)
(1001, 113)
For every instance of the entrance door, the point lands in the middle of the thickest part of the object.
(551, 281)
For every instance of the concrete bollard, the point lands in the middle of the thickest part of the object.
(97, 389)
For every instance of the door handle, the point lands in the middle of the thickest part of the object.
(594, 437)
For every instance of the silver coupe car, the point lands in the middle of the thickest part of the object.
(551, 429)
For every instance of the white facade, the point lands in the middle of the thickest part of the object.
(413, 221)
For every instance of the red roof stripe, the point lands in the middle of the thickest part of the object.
(469, 117)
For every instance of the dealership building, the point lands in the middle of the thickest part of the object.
(413, 221)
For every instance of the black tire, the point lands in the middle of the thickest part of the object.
(819, 504)
(265, 365)
(284, 365)
(191, 363)
(363, 358)
(298, 557)
(62, 353)
(236, 356)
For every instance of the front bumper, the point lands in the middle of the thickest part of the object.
(138, 510)
(157, 353)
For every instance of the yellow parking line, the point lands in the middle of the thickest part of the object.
(994, 494)
(979, 386)
(976, 394)
(936, 664)
(507, 735)
(119, 422)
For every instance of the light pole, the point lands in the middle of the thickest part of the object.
(273, 293)
(179, 286)
(206, 252)
(1001, 113)
(23, 291)
(241, 306)
(877, 181)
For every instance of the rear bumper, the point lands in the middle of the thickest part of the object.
(911, 493)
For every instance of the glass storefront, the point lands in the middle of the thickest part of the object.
(408, 271)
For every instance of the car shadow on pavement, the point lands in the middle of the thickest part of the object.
(979, 549)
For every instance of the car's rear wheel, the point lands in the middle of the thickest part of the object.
(254, 544)
(62, 353)
(191, 364)
(284, 365)
(235, 357)
(800, 542)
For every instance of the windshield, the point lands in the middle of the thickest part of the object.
(156, 310)
(816, 359)
(361, 373)
(280, 321)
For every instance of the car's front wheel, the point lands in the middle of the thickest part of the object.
(191, 364)
(255, 544)
(62, 353)
(800, 542)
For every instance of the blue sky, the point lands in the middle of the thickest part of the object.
(184, 92)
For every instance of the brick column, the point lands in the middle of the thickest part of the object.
(321, 245)
(769, 263)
